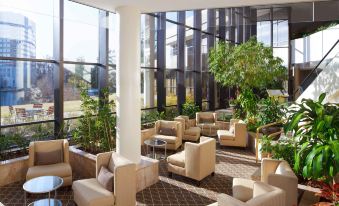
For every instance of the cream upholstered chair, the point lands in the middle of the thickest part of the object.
(189, 133)
(236, 136)
(89, 192)
(207, 122)
(49, 158)
(279, 174)
(174, 141)
(197, 161)
(251, 193)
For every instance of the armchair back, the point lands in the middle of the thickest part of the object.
(200, 116)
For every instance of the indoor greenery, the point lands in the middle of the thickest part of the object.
(96, 131)
(190, 109)
(270, 111)
(246, 66)
(316, 128)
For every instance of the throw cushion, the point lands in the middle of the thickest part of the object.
(106, 178)
(168, 131)
(48, 158)
(206, 120)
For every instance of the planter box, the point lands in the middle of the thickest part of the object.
(82, 163)
(13, 170)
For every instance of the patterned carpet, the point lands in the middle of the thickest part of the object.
(231, 162)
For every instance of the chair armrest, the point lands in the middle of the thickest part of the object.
(102, 160)
(223, 125)
(66, 150)
(226, 200)
(31, 154)
(287, 183)
(124, 180)
(215, 115)
(268, 166)
(242, 189)
(180, 131)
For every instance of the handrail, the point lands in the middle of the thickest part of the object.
(257, 137)
(316, 67)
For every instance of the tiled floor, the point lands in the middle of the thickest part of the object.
(231, 162)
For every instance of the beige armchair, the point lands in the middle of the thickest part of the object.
(207, 121)
(197, 161)
(89, 192)
(169, 131)
(49, 158)
(278, 173)
(251, 193)
(189, 133)
(236, 136)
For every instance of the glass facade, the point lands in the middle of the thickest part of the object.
(174, 55)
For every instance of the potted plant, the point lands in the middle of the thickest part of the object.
(266, 146)
(315, 126)
(190, 109)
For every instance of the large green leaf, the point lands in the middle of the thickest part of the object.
(322, 97)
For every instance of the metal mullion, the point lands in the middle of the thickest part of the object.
(84, 63)
(26, 123)
(181, 90)
(161, 61)
(103, 53)
(210, 44)
(58, 44)
(27, 59)
(197, 57)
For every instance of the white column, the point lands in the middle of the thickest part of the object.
(128, 85)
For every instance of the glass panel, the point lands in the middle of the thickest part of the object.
(282, 53)
(171, 87)
(148, 88)
(76, 78)
(26, 91)
(204, 54)
(204, 85)
(205, 106)
(26, 28)
(172, 16)
(113, 39)
(112, 83)
(189, 50)
(148, 41)
(171, 45)
(204, 20)
(280, 33)
(189, 18)
(80, 20)
(189, 84)
(264, 32)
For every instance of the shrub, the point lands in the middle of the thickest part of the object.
(190, 109)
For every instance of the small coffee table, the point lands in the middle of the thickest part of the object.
(43, 184)
(156, 143)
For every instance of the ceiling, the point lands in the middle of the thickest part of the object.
(149, 6)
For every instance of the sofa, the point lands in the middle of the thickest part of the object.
(207, 121)
(169, 131)
(278, 173)
(189, 133)
(236, 136)
(197, 161)
(252, 193)
(89, 192)
(49, 158)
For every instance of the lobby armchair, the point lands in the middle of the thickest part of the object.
(49, 158)
(207, 121)
(236, 136)
(189, 133)
(169, 131)
(89, 192)
(278, 173)
(251, 193)
(197, 161)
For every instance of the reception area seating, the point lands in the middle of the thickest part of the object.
(207, 122)
(90, 192)
(169, 131)
(251, 193)
(278, 173)
(50, 158)
(189, 133)
(236, 136)
(197, 161)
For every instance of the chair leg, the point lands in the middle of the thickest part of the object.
(213, 173)
(197, 183)
(170, 174)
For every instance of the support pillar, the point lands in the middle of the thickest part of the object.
(128, 85)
